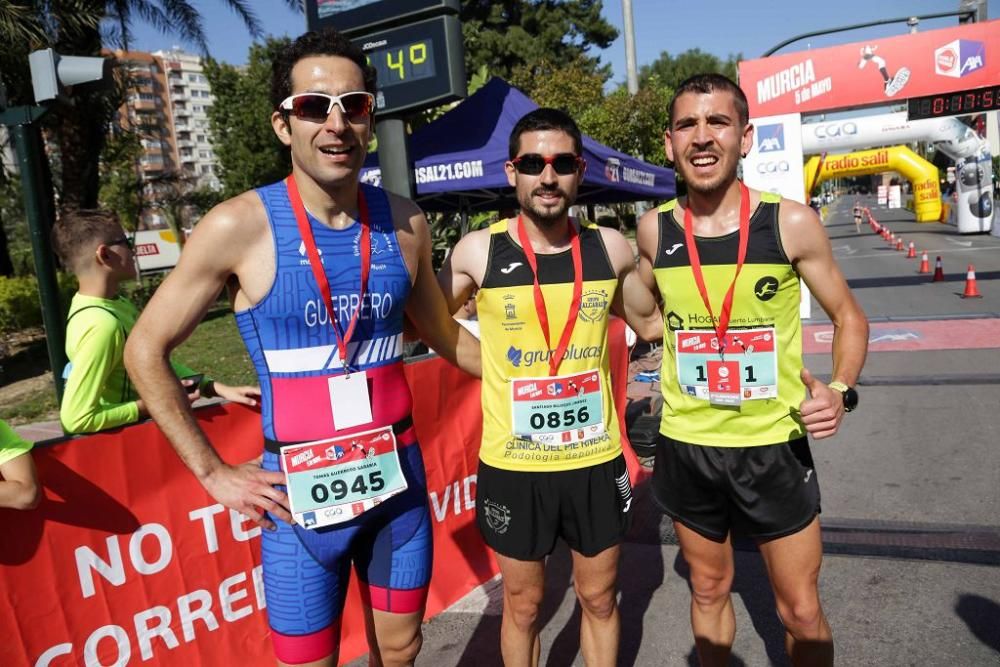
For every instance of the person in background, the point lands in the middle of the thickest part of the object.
(19, 487)
(99, 394)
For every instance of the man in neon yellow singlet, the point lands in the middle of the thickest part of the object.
(733, 454)
(99, 394)
(551, 462)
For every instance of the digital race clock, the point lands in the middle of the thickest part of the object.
(419, 65)
(976, 100)
(355, 17)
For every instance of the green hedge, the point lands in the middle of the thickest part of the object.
(19, 303)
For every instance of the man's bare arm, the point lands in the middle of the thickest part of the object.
(426, 307)
(634, 300)
(210, 257)
(463, 270)
(808, 247)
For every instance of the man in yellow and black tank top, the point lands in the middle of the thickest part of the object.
(551, 462)
(526, 434)
(764, 327)
(737, 402)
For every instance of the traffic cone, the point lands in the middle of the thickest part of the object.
(924, 266)
(938, 271)
(912, 254)
(971, 291)
(899, 244)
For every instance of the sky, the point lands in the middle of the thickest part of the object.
(730, 27)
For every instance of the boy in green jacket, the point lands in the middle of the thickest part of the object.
(98, 394)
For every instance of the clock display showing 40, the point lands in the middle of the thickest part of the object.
(403, 64)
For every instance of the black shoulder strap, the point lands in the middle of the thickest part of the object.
(106, 310)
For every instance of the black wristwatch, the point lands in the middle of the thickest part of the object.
(850, 395)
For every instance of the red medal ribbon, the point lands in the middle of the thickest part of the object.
(574, 308)
(699, 278)
(364, 247)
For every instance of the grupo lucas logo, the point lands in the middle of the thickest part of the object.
(771, 138)
(959, 57)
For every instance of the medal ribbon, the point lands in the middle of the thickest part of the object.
(699, 278)
(574, 308)
(364, 247)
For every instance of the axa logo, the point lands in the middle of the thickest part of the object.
(771, 138)
(959, 57)
(766, 288)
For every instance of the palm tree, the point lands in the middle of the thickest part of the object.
(83, 27)
(75, 27)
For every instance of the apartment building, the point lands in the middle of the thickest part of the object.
(147, 109)
(167, 102)
(190, 97)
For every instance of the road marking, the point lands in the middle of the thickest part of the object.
(929, 251)
(977, 334)
(966, 244)
(845, 248)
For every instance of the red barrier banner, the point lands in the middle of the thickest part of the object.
(128, 561)
(874, 72)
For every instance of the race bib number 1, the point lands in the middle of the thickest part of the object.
(561, 409)
(332, 481)
(747, 372)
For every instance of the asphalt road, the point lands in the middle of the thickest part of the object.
(911, 491)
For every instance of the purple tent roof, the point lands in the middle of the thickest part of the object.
(459, 158)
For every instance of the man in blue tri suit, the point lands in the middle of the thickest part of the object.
(321, 271)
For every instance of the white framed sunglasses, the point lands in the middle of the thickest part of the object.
(357, 106)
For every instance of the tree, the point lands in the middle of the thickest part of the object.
(672, 70)
(240, 120)
(573, 87)
(121, 186)
(74, 27)
(505, 34)
(15, 246)
(632, 124)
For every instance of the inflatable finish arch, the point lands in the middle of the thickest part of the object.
(922, 174)
(951, 136)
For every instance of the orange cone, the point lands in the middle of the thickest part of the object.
(912, 254)
(971, 291)
(924, 266)
(938, 271)
(899, 244)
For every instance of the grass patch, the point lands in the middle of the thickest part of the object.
(36, 404)
(216, 349)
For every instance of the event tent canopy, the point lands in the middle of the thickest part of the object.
(459, 159)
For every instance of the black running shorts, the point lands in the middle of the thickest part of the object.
(520, 514)
(757, 492)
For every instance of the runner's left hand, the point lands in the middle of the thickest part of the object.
(822, 412)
